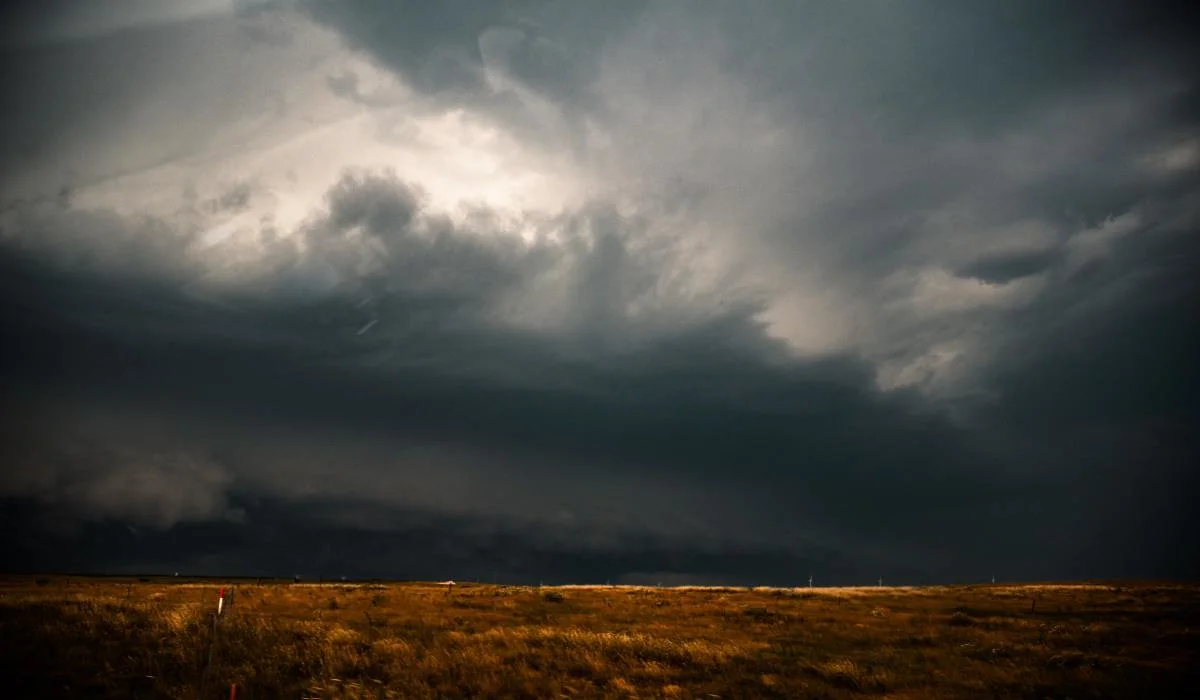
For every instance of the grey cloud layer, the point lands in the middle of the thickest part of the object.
(458, 412)
(949, 327)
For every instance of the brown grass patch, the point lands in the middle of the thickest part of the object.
(125, 638)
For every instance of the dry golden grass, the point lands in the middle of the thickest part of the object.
(73, 637)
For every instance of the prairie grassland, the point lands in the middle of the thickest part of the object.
(75, 637)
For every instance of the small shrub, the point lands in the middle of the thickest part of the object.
(553, 597)
(759, 614)
(1066, 660)
(43, 581)
(961, 619)
(844, 681)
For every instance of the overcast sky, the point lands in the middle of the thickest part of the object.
(600, 291)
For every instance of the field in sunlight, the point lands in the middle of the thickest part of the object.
(130, 638)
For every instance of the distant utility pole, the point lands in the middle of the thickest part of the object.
(881, 582)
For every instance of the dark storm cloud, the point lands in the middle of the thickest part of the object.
(1100, 388)
(832, 454)
(416, 546)
(695, 411)
(448, 396)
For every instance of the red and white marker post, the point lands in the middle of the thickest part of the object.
(225, 600)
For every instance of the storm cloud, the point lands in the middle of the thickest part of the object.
(632, 291)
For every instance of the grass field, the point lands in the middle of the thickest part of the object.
(78, 637)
